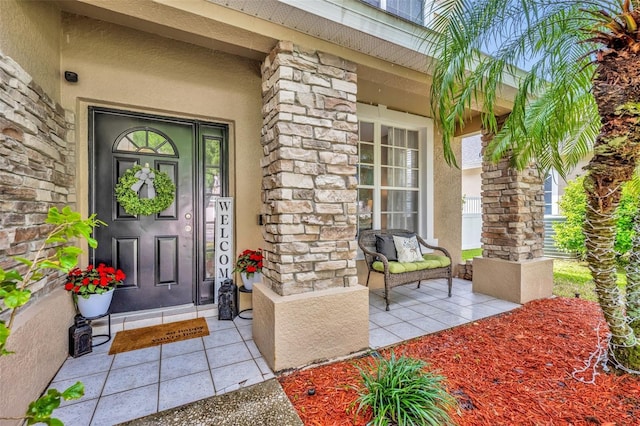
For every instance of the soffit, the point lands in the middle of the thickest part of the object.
(386, 48)
(350, 24)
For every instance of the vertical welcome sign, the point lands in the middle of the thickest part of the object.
(224, 242)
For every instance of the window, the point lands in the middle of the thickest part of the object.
(394, 171)
(550, 194)
(412, 10)
(145, 140)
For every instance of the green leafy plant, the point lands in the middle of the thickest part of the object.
(133, 204)
(66, 225)
(569, 235)
(400, 391)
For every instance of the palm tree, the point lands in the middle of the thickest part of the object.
(582, 92)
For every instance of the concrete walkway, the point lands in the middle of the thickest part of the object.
(262, 404)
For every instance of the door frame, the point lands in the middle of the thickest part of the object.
(87, 157)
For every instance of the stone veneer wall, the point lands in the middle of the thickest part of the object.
(309, 138)
(512, 211)
(37, 166)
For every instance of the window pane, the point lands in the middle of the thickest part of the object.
(366, 153)
(402, 221)
(210, 209)
(396, 200)
(407, 9)
(209, 267)
(212, 152)
(412, 139)
(365, 207)
(366, 175)
(139, 138)
(212, 182)
(399, 157)
(384, 135)
(366, 131)
(386, 176)
(145, 141)
(399, 137)
(400, 177)
(411, 159)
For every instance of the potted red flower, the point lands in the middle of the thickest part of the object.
(95, 286)
(249, 264)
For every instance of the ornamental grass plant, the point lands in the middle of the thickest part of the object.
(400, 391)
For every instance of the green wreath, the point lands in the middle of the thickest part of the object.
(133, 204)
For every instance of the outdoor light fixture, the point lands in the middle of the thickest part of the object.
(227, 300)
(80, 339)
(71, 76)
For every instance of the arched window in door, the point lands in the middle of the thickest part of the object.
(145, 140)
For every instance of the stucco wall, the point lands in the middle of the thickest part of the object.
(132, 70)
(447, 182)
(38, 49)
(39, 340)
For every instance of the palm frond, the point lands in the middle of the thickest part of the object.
(553, 119)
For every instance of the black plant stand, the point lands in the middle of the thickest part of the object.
(243, 289)
(108, 335)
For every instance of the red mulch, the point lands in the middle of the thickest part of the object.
(512, 369)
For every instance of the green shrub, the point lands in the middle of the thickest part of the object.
(400, 391)
(573, 203)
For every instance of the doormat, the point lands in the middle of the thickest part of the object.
(139, 338)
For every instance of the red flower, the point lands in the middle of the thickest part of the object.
(93, 279)
(249, 261)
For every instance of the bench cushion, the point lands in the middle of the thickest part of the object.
(431, 261)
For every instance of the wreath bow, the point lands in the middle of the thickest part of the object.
(145, 176)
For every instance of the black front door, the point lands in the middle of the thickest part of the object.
(155, 251)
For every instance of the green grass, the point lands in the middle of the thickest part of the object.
(470, 254)
(570, 277)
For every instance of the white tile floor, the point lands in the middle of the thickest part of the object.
(134, 384)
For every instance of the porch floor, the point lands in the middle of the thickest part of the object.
(138, 383)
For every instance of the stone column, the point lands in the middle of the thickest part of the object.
(309, 139)
(512, 266)
(512, 210)
(37, 172)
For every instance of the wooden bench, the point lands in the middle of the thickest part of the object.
(401, 273)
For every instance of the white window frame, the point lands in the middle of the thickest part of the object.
(555, 193)
(379, 115)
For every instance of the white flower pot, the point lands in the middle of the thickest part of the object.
(250, 281)
(96, 305)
